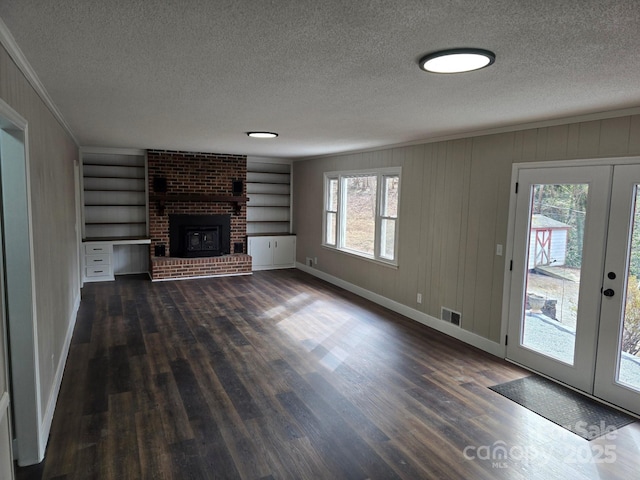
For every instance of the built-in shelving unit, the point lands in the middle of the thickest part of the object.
(114, 195)
(115, 228)
(269, 192)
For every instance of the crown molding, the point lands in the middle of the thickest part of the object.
(9, 43)
(517, 127)
(140, 152)
(280, 160)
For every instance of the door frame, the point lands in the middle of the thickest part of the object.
(506, 291)
(6, 427)
(508, 255)
(580, 372)
(30, 439)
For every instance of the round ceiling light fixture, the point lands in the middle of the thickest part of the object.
(262, 134)
(457, 60)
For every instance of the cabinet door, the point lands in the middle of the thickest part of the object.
(284, 253)
(261, 251)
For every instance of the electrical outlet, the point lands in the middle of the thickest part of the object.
(499, 250)
(419, 298)
(315, 260)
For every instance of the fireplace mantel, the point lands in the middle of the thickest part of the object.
(161, 200)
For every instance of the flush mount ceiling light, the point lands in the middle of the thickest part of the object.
(262, 134)
(457, 60)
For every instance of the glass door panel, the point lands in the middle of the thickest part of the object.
(554, 267)
(628, 353)
(559, 236)
(574, 305)
(617, 376)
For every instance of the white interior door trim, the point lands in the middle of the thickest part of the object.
(4, 404)
(20, 287)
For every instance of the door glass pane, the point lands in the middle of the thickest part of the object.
(554, 263)
(629, 348)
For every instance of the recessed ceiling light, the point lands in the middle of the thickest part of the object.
(262, 134)
(457, 60)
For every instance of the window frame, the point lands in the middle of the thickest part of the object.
(381, 174)
(326, 209)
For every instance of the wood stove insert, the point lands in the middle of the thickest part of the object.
(199, 235)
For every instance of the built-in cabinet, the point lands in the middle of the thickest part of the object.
(272, 251)
(102, 260)
(270, 242)
(115, 228)
(98, 261)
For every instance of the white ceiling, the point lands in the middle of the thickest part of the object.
(329, 76)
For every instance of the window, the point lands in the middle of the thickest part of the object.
(361, 213)
(331, 215)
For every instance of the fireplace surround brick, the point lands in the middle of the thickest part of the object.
(168, 268)
(194, 173)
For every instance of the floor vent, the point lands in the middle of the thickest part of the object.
(450, 316)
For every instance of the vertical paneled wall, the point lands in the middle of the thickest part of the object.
(52, 154)
(453, 213)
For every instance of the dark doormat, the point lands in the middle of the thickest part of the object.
(571, 410)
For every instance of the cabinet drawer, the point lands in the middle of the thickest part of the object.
(98, 271)
(97, 260)
(97, 249)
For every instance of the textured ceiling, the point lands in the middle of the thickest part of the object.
(328, 76)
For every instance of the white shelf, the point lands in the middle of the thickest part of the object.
(114, 195)
(269, 192)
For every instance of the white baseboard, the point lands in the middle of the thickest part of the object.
(47, 419)
(453, 331)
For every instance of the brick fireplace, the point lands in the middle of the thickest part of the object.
(196, 184)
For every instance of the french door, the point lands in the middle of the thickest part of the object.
(574, 305)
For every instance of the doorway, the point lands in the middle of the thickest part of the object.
(29, 440)
(6, 457)
(574, 311)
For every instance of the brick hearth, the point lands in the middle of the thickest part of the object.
(191, 173)
(167, 268)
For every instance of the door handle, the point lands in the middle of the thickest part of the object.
(608, 293)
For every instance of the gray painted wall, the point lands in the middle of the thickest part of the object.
(52, 154)
(453, 212)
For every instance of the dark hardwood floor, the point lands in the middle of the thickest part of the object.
(281, 376)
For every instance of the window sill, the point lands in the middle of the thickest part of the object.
(361, 256)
